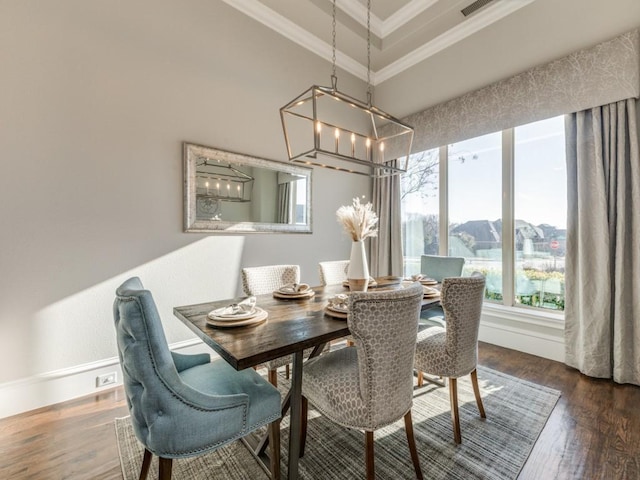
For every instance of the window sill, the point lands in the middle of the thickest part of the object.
(529, 316)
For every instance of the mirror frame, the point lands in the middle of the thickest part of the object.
(192, 152)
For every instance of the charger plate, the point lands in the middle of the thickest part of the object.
(306, 294)
(218, 322)
(342, 314)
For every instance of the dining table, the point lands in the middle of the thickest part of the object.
(292, 325)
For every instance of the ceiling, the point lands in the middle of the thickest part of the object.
(402, 34)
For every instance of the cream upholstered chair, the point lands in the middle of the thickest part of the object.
(370, 385)
(266, 279)
(333, 272)
(185, 405)
(453, 351)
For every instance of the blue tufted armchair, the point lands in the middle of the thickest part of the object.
(185, 405)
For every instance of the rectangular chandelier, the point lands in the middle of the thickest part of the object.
(326, 128)
(218, 181)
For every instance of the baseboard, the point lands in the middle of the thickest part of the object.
(527, 332)
(38, 391)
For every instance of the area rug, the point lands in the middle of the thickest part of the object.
(495, 448)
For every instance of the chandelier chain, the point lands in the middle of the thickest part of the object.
(369, 52)
(334, 78)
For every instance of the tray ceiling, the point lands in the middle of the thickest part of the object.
(403, 32)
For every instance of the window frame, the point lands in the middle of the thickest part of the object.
(507, 308)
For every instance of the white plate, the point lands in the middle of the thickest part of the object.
(305, 294)
(336, 313)
(372, 283)
(219, 316)
(337, 309)
(260, 317)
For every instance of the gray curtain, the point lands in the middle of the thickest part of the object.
(602, 316)
(284, 199)
(386, 248)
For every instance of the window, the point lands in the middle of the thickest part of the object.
(501, 199)
(540, 212)
(475, 207)
(420, 209)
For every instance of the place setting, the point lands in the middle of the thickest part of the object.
(423, 279)
(338, 306)
(294, 291)
(237, 314)
(372, 283)
(430, 292)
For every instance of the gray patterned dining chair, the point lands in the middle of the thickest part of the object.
(452, 351)
(185, 405)
(333, 272)
(266, 279)
(370, 385)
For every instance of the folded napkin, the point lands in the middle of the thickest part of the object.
(430, 291)
(294, 288)
(246, 306)
(339, 302)
(418, 277)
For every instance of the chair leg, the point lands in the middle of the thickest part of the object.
(420, 378)
(274, 449)
(453, 393)
(287, 371)
(165, 468)
(273, 377)
(303, 425)
(476, 392)
(408, 427)
(146, 463)
(368, 444)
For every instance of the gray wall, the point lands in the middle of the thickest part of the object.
(96, 99)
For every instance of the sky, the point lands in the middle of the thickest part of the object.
(475, 184)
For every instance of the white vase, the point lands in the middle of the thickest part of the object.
(358, 273)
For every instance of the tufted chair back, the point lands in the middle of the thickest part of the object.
(461, 299)
(161, 421)
(266, 279)
(384, 326)
(146, 361)
(440, 267)
(333, 272)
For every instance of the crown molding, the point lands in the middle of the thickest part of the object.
(297, 34)
(272, 19)
(470, 26)
(358, 12)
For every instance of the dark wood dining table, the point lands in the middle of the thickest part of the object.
(293, 325)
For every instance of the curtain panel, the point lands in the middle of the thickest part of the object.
(386, 247)
(588, 78)
(602, 315)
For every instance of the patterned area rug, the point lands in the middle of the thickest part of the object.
(495, 448)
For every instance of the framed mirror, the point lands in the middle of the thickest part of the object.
(234, 193)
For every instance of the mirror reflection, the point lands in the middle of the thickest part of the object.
(231, 192)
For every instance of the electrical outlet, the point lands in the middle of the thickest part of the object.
(106, 379)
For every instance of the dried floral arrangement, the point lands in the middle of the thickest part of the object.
(359, 220)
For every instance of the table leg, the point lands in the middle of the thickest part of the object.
(262, 445)
(294, 417)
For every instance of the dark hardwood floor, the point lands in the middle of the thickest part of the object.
(593, 433)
